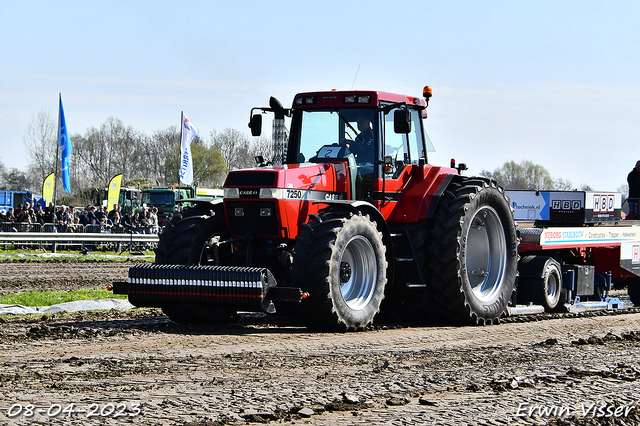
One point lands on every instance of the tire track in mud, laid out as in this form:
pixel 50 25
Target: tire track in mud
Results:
pixel 272 370
pixel 60 275
pixel 266 370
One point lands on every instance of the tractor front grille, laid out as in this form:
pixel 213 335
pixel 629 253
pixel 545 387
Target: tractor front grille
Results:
pixel 245 217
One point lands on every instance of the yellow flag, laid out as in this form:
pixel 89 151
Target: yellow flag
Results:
pixel 47 189
pixel 114 191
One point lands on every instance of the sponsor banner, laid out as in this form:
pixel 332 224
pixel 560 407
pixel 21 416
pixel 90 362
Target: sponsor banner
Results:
pixel 630 257
pixel 603 206
pixel 114 191
pixel 530 205
pixel 47 189
pixel 589 236
pixel 566 206
pixel 65 143
pixel 189 131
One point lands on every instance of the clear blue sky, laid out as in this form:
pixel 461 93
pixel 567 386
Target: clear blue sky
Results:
pixel 554 82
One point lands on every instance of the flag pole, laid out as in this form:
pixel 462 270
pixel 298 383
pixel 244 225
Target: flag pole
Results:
pixel 180 145
pixel 55 185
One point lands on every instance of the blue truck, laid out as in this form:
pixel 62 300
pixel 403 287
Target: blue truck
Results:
pixel 14 198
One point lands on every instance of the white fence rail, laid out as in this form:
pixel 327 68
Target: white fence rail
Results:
pixel 126 241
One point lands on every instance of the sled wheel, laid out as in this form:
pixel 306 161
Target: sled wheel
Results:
pixel 633 289
pixel 544 285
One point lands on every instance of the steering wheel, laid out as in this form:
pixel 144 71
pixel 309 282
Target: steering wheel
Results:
pixel 356 148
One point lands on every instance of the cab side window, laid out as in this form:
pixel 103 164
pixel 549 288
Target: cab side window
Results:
pixel 404 149
pixel 395 145
pixel 416 138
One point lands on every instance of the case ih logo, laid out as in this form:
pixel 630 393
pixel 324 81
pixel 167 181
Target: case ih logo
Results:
pixel 566 205
pixel 603 203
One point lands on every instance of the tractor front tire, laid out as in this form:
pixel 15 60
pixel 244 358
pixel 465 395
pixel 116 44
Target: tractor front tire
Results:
pixel 185 243
pixel 473 252
pixel 339 260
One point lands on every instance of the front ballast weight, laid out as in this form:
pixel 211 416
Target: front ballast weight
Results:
pixel 245 288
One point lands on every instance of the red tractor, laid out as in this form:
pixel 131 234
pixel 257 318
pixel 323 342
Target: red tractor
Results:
pixel 346 213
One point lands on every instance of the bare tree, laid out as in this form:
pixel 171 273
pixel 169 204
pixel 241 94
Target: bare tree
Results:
pixel 16 180
pixel 124 146
pixel 624 189
pixel 262 146
pixel 235 148
pixel 41 143
pixel 161 149
pixel 114 148
pixel 40 140
pixel 111 150
pixel 562 184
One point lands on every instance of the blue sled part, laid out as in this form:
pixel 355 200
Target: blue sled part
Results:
pixel 608 303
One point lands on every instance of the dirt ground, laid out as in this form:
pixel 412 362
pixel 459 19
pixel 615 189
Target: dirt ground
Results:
pixel 137 367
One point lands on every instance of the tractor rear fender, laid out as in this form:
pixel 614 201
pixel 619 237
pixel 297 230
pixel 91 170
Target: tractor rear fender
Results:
pixel 420 198
pixel 375 215
pixel 435 198
pixel 201 202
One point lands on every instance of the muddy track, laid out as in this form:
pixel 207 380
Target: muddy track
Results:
pixel 138 367
pixel 60 275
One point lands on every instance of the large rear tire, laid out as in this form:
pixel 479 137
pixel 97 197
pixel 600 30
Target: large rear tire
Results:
pixel 187 242
pixel 473 252
pixel 633 289
pixel 339 260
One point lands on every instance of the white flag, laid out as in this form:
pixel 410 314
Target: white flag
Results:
pixel 189 131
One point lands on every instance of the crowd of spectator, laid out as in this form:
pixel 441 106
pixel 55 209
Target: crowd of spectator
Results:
pixel 143 219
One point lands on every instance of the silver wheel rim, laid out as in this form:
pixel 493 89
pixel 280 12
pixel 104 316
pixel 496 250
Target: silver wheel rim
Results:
pixel 486 254
pixel 552 287
pixel 359 273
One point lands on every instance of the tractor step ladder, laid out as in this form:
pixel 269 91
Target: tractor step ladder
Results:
pixel 405 258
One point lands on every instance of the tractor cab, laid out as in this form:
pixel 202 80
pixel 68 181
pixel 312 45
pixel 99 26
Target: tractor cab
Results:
pixel 380 136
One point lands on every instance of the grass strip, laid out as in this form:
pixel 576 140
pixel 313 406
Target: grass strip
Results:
pixel 39 255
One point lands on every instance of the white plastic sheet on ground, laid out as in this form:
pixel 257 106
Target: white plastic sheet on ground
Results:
pixel 79 305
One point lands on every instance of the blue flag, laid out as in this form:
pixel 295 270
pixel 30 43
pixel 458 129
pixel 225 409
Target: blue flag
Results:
pixel 65 143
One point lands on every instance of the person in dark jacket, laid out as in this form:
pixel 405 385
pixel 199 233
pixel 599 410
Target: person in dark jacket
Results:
pixel 633 179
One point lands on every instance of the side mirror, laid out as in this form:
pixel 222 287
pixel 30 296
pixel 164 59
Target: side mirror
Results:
pixel 256 124
pixel 402 121
pixel 387 164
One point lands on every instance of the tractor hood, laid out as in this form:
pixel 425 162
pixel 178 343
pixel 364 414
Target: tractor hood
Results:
pixel 307 181
pixel 275 201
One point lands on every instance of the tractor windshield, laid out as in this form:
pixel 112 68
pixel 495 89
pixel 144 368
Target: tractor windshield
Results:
pixel 353 128
pixel 158 198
